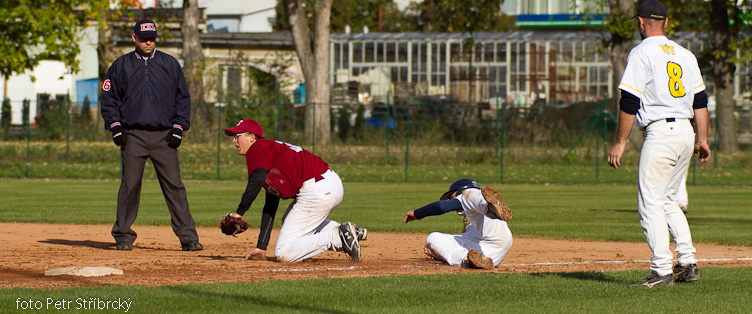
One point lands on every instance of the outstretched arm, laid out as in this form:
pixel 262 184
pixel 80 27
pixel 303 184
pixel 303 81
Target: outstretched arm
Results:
pixel 435 208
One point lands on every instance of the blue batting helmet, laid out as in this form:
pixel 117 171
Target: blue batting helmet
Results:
pixel 460 185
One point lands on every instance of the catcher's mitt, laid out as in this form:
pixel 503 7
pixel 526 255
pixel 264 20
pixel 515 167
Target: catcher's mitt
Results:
pixel 232 226
pixel 496 206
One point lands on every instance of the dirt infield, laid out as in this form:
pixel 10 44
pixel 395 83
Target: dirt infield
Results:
pixel 156 258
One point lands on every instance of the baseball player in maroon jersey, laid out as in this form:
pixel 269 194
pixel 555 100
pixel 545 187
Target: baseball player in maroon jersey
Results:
pixel 661 90
pixel 289 171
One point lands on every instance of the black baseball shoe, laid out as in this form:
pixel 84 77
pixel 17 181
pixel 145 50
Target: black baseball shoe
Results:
pixel 193 246
pixel 349 238
pixel 362 233
pixel 688 273
pixel 124 246
pixel 654 279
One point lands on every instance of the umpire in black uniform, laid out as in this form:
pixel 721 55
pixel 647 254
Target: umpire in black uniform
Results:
pixel 146 105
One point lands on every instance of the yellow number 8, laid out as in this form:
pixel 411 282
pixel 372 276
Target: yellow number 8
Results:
pixel 675 86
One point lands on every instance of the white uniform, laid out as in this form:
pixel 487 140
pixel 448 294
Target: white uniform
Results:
pixel 491 237
pixel 306 231
pixel 665 76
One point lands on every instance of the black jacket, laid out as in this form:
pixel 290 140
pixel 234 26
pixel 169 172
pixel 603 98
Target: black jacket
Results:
pixel 146 93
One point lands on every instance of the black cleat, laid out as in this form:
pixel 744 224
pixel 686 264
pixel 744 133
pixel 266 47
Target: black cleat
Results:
pixel 688 273
pixel 193 246
pixel 654 279
pixel 349 238
pixel 124 246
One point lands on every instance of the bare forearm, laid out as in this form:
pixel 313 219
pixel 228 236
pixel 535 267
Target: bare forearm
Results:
pixel 702 120
pixel 624 127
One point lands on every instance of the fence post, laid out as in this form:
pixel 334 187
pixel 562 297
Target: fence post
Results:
pixel 598 140
pixel 407 141
pixel 388 117
pixel 219 135
pixel 501 145
pixel 28 148
pixel 67 124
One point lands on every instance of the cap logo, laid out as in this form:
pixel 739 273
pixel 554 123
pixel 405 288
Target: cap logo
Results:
pixel 239 123
pixel 148 27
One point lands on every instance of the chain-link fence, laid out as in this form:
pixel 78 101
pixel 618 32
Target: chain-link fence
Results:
pixel 436 140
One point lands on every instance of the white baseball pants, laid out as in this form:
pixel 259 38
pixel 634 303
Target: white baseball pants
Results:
pixel 453 248
pixel 664 160
pixel 306 231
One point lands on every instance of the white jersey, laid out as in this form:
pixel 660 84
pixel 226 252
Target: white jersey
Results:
pixel 665 77
pixel 491 237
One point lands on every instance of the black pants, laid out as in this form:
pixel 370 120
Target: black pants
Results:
pixel 140 145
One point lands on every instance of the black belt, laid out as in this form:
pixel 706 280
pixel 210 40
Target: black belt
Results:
pixel 670 119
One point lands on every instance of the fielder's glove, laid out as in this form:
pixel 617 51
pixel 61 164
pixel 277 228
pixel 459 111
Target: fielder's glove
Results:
pixel 175 137
pixel 118 136
pixel 232 225
pixel 496 206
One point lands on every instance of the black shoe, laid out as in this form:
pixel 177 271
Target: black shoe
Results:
pixel 654 279
pixel 688 273
pixel 349 238
pixel 193 246
pixel 124 246
pixel 362 233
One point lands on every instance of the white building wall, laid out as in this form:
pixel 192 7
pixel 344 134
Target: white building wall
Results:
pixel 257 21
pixel 52 77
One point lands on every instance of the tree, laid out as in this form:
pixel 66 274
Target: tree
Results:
pixel 193 68
pixel 313 53
pixel 35 30
pixel 723 74
pixel 85 118
pixel 728 34
pixel 356 14
pixel 52 119
pixel 5 115
pixel 25 113
pixel 622 30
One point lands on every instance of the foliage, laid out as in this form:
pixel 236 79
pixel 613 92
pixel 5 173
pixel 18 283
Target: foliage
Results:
pixel 260 101
pixel 35 30
pixel 5 117
pixel 52 119
pixel 85 117
pixel 25 112
pixel 465 16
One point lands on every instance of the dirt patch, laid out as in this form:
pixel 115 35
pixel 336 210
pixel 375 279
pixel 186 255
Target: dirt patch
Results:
pixel 157 260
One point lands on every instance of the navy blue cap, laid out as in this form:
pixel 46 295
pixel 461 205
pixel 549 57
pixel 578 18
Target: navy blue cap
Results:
pixel 651 9
pixel 145 28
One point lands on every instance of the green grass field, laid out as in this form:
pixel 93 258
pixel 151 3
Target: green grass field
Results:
pixel 718 214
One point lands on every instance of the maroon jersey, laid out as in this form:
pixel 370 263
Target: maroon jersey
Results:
pixel 287 166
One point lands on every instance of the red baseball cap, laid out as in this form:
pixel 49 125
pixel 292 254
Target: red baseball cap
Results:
pixel 246 125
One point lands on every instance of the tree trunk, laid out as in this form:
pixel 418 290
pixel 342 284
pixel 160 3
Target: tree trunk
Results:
pixel 193 59
pixel 104 43
pixel 313 53
pixel 621 43
pixel 723 71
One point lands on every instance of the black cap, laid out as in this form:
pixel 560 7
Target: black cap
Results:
pixel 651 9
pixel 145 28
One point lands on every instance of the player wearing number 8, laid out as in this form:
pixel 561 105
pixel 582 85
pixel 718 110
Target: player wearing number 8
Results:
pixel 289 171
pixel 661 90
